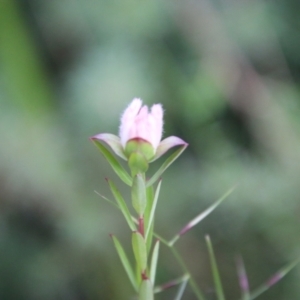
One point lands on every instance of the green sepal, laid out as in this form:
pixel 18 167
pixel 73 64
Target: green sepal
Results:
pixel 117 167
pixel 138 194
pixel 165 165
pixel 125 262
pixel 137 163
pixel 140 251
pixel 141 146
pixel 215 271
pixel 122 205
pixel 146 290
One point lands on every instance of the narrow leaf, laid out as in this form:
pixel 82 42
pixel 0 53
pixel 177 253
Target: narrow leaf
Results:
pixel 125 262
pixel 117 167
pixel 201 216
pixel 154 259
pixel 122 205
pixel 165 165
pixel 150 198
pixel 151 216
pixel 215 271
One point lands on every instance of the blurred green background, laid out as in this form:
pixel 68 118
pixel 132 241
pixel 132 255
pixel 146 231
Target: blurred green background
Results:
pixel 228 75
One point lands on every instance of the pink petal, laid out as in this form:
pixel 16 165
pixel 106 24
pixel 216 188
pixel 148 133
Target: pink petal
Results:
pixel 113 141
pixel 128 120
pixel 167 144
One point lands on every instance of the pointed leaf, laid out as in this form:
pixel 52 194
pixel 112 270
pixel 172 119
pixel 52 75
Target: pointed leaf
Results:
pixel 122 205
pixel 215 271
pixel 165 165
pixel 125 262
pixel 150 198
pixel 154 259
pixel 151 216
pixel 166 145
pixel 117 167
pixel 113 141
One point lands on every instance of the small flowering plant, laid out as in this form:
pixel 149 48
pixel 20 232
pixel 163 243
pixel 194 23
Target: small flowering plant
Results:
pixel 140 143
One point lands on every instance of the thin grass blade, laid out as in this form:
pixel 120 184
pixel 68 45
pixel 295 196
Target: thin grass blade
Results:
pixel 201 216
pixel 106 199
pixel 182 288
pixel 243 278
pixel 215 271
pixel 274 279
pixel 199 294
pixel 125 262
pixel 169 284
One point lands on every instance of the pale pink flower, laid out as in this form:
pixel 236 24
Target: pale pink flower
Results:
pixel 138 123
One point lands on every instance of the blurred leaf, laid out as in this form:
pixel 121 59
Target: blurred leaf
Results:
pixel 201 216
pixel 215 271
pixel 243 279
pixel 274 279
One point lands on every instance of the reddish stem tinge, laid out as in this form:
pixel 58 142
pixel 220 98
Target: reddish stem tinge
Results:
pixel 141 225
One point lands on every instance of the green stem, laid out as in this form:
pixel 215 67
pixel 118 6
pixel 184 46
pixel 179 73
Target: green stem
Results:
pixel 179 259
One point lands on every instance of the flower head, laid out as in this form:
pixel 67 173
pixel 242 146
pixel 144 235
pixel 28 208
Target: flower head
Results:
pixel 138 123
pixel 140 134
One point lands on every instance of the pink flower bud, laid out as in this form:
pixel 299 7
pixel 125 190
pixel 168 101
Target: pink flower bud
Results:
pixel 140 133
pixel 138 123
